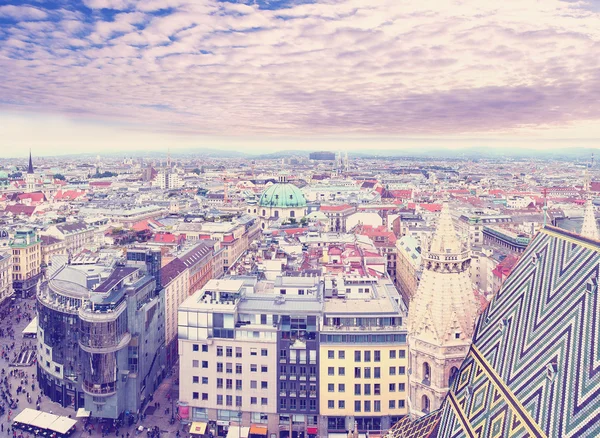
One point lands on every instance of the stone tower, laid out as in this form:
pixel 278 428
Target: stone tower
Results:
pixel 441 317
pixel 589 228
pixel 30 177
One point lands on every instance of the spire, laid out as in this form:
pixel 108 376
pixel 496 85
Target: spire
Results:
pixel 30 168
pixel 444 240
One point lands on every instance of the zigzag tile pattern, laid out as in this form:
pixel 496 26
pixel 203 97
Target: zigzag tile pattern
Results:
pixel 534 366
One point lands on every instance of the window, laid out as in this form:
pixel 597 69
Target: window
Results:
pixel 341 387
pixel 356 405
pixel 204 364
pixel 330 371
pixel 341 404
pixel 205 396
pixel 195 379
pixel 377 389
pixel 392 371
pixel 253 352
pixel 357 356
pixel 229 352
pixel 204 348
pixel 219 367
pixel 263 385
pixel 401 354
pixel 238 351
pixel 425 404
pixel 367 356
pixel 238 384
pixel 453 373
pixel 401 386
pixel 282 354
pixel 264 401
pixel 392 387
pixel 228 400
pixel 219 351
pixel 367 372
pixel 264 369
pixel 392 404
pixel 195 395
pixel 219 399
pixel 252 400
pixel 367 406
pixel 341 354
pixel 205 380
pixel 238 400
pixel 357 389
pixel 195 363
pixel 330 354
pixel 238 368
pixel 229 368
pixel 377 356
pixel 342 371
pixel 264 352
pixel 426 371
pixel 219 383
pixel 253 384
pixel 195 347
pixel 229 384
pixel 377 372
pixel 357 372
pixel 400 404
pixel 392 354
pixel 253 367
pixel 367 389
pixel 293 404
pixel 312 404
pixel 330 404
pixel 330 387
pixel 282 403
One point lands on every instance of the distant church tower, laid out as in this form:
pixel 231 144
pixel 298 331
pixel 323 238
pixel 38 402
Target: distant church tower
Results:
pixel 30 177
pixel 589 228
pixel 441 318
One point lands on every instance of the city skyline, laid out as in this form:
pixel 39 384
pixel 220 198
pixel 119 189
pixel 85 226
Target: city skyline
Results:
pixel 116 75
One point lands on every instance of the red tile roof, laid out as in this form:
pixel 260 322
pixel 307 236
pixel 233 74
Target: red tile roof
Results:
pixel 335 207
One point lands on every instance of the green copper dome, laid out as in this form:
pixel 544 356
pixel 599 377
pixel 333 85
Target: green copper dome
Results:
pixel 282 195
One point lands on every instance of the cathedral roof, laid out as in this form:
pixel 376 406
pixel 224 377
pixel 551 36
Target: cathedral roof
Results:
pixel 534 368
pixel 589 228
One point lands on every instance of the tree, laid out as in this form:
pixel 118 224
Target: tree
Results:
pixel 197 171
pixel 59 176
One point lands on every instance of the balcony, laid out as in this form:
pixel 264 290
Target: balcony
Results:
pixel 312 394
pixel 104 390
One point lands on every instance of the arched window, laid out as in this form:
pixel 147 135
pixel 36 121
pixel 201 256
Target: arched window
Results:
pixel 255 210
pixel 426 371
pixel 264 213
pixel 425 404
pixel 292 213
pixel 276 213
pixel 453 373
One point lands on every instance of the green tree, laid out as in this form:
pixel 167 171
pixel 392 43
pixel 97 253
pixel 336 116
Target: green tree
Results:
pixel 59 176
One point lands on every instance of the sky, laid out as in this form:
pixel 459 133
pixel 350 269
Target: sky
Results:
pixel 265 75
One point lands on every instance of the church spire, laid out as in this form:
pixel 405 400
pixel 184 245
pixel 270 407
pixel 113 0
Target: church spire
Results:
pixel 30 168
pixel 444 240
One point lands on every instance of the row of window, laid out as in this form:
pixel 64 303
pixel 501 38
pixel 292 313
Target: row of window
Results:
pixel 229 399
pixel 297 404
pixel 229 350
pixel 365 406
pixel 366 372
pixel 365 389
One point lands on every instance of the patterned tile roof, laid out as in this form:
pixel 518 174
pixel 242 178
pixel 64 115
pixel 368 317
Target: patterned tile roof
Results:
pixel 423 427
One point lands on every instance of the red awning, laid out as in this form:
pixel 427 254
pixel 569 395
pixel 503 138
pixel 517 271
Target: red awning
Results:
pixel 255 429
pixel 311 430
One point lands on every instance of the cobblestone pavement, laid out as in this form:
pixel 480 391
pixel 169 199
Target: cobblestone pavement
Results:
pixel 158 418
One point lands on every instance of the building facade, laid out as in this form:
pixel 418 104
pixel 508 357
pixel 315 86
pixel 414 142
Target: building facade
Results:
pixel 100 343
pixel 27 261
pixel 76 235
pixel 6 281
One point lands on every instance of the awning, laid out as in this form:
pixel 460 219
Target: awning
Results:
pixel 62 425
pixel 32 327
pixel 256 429
pixel 27 415
pixel 198 428
pixel 311 430
pixel 44 420
pixel 82 413
pixel 237 432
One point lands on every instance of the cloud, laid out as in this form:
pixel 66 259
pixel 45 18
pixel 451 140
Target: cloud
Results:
pixel 22 13
pixel 332 67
